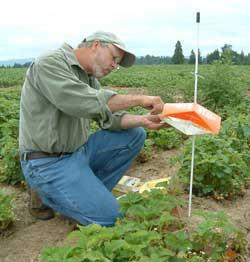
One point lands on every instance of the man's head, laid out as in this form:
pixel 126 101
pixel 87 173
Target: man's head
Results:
pixel 105 37
pixel 105 53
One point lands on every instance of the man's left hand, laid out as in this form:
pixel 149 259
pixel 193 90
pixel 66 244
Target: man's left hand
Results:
pixel 153 103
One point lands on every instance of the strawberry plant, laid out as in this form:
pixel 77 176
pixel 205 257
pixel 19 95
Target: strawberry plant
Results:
pixel 219 170
pixel 147 151
pixel 221 162
pixel 10 171
pixel 213 233
pixel 220 87
pixel 237 127
pixel 151 231
pixel 11 76
pixel 166 138
pixel 6 210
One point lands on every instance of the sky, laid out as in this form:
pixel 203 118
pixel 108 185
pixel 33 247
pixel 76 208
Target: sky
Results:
pixel 28 27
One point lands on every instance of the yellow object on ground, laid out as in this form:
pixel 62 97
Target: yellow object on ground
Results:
pixel 152 184
pixel 134 184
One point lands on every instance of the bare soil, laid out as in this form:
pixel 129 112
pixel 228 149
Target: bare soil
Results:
pixel 26 238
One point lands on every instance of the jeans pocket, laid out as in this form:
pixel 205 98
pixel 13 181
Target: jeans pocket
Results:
pixel 29 174
pixel 43 162
pixel 44 170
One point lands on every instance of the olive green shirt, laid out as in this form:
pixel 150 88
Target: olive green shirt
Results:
pixel 57 102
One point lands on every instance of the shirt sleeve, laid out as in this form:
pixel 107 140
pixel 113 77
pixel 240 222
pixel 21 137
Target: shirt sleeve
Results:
pixel 56 81
pixel 116 121
pixel 116 126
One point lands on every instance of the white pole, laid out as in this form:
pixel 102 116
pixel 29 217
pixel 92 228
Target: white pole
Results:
pixel 195 101
pixel 196 57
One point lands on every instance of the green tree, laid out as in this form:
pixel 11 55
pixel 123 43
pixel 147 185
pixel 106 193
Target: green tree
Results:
pixel 178 57
pixel 247 59
pixel 153 60
pixel 199 57
pixel 242 58
pixel 228 55
pixel 191 57
pixel 215 55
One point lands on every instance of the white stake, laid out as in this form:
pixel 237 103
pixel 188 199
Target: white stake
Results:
pixel 195 101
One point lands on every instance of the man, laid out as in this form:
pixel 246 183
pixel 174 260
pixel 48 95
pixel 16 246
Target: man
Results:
pixel 74 172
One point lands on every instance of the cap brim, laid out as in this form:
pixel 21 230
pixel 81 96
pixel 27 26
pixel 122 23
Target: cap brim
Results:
pixel 128 58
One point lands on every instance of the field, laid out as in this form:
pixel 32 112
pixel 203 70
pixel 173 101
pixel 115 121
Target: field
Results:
pixel 156 226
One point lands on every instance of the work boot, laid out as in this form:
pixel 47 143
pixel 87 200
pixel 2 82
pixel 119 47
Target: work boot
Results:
pixel 36 207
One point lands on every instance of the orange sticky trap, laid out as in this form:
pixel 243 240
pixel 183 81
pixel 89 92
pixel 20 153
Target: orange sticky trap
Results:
pixel 191 118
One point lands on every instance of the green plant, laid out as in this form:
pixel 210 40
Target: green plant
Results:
pixel 10 171
pixel 220 87
pixel 237 127
pixel 147 151
pixel 216 234
pixel 10 77
pixel 151 231
pixel 166 138
pixel 221 162
pixel 219 169
pixel 6 210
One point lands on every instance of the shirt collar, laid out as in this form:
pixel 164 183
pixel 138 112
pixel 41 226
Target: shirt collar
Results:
pixel 70 55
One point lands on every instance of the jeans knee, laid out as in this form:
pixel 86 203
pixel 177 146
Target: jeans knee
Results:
pixel 107 220
pixel 140 136
pixel 143 133
pixel 110 221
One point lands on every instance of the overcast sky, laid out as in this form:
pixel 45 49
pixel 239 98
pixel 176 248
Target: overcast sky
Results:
pixel 29 28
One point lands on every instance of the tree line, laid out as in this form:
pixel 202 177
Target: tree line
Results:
pixel 16 65
pixel 178 58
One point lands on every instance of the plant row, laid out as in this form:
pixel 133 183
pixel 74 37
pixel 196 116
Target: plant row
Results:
pixel 152 229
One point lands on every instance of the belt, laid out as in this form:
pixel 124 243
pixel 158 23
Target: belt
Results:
pixel 40 154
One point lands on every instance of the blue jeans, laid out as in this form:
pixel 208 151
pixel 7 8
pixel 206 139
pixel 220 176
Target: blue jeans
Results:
pixel 79 185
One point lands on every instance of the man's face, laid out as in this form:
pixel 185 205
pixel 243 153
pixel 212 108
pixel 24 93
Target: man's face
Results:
pixel 106 59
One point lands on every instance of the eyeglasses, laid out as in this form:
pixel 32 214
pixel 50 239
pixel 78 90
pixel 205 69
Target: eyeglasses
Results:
pixel 116 59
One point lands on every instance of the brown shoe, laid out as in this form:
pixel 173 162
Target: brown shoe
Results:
pixel 36 207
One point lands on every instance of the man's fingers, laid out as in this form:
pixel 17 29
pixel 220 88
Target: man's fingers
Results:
pixel 151 124
pixel 156 110
pixel 157 126
pixel 154 118
pixel 153 103
pixel 165 125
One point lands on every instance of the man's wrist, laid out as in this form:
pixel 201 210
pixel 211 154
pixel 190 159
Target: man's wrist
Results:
pixel 130 121
pixel 138 100
pixel 122 102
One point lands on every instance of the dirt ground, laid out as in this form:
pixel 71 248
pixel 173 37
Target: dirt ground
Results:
pixel 24 241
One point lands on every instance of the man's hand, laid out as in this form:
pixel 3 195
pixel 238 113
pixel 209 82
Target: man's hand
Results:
pixel 153 103
pixel 147 121
pixel 152 122
pixel 123 102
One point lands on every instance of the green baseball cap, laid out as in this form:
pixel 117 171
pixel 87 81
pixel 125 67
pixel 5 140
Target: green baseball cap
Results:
pixel 128 58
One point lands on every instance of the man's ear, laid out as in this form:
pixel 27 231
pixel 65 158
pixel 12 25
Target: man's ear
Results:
pixel 95 44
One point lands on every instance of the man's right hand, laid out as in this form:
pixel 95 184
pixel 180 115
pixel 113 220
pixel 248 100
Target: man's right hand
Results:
pixel 146 121
pixel 152 122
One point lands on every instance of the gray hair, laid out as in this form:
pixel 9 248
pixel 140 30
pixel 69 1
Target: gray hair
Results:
pixel 85 43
